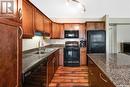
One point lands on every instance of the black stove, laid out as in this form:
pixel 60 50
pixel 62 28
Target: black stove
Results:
pixel 72 53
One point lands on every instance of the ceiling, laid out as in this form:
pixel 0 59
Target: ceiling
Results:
pixel 58 9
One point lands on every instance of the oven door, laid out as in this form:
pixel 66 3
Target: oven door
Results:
pixel 72 56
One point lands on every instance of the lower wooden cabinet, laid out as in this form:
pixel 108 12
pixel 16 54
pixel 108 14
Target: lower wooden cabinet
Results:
pixel 83 56
pixel 61 57
pixel 52 65
pixel 96 77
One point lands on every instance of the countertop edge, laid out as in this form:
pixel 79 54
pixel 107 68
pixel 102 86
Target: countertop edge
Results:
pixel 102 70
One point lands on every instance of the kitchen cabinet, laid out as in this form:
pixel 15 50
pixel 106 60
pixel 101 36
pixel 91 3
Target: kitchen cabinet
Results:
pixel 12 12
pixel 57 31
pixel 96 77
pixel 71 26
pixel 27 20
pixel 47 25
pixel 83 56
pixel 38 21
pixel 95 26
pixel 52 65
pixel 10 53
pixel 56 60
pixel 61 57
pixel 78 26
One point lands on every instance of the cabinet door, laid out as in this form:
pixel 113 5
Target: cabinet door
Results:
pixel 49 70
pixel 61 58
pixel 70 26
pixel 57 31
pixel 47 25
pixel 90 26
pixel 82 31
pixel 54 64
pixel 27 20
pixel 10 58
pixel 57 59
pixel 10 12
pixel 83 58
pixel 100 26
pixel 38 21
pixel 95 25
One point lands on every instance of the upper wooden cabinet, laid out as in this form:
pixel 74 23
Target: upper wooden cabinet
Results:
pixel 11 9
pixel 47 25
pixel 38 21
pixel 95 25
pixel 79 26
pixel 27 20
pixel 71 26
pixel 57 31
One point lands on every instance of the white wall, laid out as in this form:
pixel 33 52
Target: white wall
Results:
pixel 33 43
pixel 117 34
pixel 112 39
pixel 123 35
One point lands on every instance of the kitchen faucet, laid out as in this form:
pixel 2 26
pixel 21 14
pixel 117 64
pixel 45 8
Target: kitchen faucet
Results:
pixel 41 47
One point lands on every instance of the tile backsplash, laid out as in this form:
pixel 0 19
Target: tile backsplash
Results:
pixel 61 41
pixel 33 43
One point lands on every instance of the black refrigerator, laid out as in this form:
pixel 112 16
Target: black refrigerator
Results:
pixel 96 41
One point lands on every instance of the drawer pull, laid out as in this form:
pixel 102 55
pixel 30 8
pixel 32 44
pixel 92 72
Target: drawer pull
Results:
pixel 103 78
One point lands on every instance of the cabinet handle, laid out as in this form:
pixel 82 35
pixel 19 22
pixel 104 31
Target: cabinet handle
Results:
pixel 20 14
pixel 103 78
pixel 21 32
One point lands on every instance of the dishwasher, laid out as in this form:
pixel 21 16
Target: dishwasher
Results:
pixel 36 76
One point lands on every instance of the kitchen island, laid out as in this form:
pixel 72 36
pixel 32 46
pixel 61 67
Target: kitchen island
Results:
pixel 116 67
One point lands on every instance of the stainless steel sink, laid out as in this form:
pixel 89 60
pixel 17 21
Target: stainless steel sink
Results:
pixel 45 51
pixel 49 49
pixel 40 52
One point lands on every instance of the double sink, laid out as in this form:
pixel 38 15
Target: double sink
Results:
pixel 44 51
pixel 32 58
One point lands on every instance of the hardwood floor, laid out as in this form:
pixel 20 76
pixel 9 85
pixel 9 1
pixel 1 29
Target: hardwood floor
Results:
pixel 70 77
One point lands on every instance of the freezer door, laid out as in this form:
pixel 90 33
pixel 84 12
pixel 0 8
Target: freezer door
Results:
pixel 96 41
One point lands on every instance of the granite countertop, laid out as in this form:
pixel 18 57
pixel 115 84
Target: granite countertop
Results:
pixel 30 58
pixel 115 66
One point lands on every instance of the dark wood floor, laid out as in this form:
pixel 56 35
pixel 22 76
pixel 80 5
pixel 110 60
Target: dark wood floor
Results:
pixel 70 77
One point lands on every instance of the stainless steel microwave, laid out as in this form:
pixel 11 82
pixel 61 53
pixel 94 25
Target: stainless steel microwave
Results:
pixel 71 34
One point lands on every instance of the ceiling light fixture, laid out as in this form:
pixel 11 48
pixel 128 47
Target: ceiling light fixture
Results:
pixel 79 4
